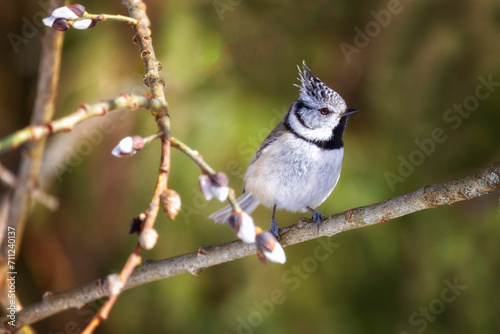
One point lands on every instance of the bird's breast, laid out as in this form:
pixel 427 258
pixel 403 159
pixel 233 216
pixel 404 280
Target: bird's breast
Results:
pixel 293 174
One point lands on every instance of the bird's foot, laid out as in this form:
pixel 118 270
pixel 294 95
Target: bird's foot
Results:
pixel 317 216
pixel 274 229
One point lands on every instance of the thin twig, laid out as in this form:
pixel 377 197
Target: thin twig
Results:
pixel 10 180
pixel 104 17
pixel 43 111
pixel 205 168
pixel 149 139
pixel 137 11
pixel 84 111
pixel 448 193
pixel 193 155
pixel 133 260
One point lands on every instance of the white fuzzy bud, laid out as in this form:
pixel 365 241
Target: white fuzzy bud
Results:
pixel 70 12
pixel 56 23
pixel 214 186
pixel 83 24
pixel 220 193
pixel 243 225
pixel 113 284
pixel 270 247
pixel 49 21
pixel 148 238
pixel 206 187
pixel 276 255
pixel 171 203
pixel 128 146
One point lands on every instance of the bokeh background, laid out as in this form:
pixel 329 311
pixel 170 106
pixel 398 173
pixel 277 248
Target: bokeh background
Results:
pixel 230 66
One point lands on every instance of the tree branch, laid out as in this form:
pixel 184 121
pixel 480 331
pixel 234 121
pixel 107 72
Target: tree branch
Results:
pixel 8 179
pixel 19 198
pixel 67 123
pixel 159 109
pixel 43 112
pixel 205 168
pixel 447 193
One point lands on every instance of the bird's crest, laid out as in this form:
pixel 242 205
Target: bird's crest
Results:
pixel 312 88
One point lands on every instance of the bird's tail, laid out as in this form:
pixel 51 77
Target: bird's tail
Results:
pixel 247 203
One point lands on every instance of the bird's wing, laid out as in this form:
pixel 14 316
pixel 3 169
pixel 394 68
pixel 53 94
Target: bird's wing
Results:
pixel 273 136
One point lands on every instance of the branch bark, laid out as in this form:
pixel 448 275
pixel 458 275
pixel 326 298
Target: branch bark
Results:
pixel 447 193
pixel 43 112
pixel 159 109
pixel 18 200
pixel 84 111
pixel 8 179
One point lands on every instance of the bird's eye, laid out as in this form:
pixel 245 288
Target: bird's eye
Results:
pixel 324 111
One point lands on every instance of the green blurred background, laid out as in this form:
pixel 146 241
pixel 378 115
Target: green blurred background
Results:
pixel 230 67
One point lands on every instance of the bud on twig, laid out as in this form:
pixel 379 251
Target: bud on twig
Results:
pixel 214 186
pixel 270 247
pixel 112 285
pixel 70 12
pixel 64 17
pixel 242 224
pixel 128 146
pixel 206 186
pixel 83 24
pixel 55 23
pixel 148 238
pixel 171 203
pixel 219 186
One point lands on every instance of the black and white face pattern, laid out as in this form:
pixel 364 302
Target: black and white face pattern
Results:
pixel 318 114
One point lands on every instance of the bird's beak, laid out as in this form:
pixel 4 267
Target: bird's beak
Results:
pixel 349 111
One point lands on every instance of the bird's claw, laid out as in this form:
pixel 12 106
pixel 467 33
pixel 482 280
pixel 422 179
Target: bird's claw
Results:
pixel 317 217
pixel 274 229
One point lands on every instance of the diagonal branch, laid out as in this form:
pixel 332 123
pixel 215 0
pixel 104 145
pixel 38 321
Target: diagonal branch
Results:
pixel 84 111
pixel 205 168
pixel 18 200
pixel 447 193
pixel 159 109
pixel 43 111
pixel 8 179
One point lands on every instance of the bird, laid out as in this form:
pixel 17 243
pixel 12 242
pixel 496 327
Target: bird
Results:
pixel 299 163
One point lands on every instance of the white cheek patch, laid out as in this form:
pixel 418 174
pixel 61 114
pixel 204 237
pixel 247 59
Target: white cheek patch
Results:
pixel 321 134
